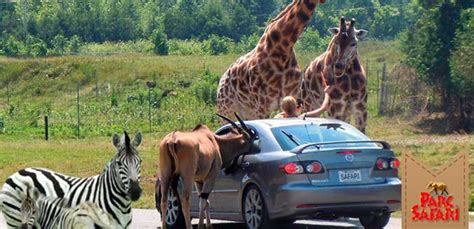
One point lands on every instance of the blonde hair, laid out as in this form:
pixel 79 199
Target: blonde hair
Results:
pixel 288 105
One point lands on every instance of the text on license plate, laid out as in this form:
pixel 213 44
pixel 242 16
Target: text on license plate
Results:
pixel 349 175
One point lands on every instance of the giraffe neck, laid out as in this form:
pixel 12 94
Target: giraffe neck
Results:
pixel 283 32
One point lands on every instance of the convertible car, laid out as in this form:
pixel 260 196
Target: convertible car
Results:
pixel 302 169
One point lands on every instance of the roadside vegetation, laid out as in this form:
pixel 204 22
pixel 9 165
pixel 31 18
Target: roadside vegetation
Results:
pixel 114 97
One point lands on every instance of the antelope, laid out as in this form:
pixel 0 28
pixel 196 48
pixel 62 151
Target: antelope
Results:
pixel 438 186
pixel 198 156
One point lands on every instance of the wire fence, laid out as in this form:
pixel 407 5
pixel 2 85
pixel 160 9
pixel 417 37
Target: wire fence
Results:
pixel 98 107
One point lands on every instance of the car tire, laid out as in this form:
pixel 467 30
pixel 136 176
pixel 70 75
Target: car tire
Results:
pixel 175 217
pixel 375 221
pixel 254 211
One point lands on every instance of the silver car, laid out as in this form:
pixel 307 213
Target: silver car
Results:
pixel 302 169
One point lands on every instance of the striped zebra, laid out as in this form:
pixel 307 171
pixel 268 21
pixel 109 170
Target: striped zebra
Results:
pixel 112 190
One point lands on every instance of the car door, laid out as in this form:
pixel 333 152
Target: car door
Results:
pixel 225 198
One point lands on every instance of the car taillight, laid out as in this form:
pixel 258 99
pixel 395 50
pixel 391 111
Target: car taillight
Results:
pixel 314 167
pixel 345 152
pixel 387 163
pixel 292 168
pixel 395 163
pixel 382 164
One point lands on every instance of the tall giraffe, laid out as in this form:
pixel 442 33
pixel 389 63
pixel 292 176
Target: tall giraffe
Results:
pixel 255 83
pixel 339 67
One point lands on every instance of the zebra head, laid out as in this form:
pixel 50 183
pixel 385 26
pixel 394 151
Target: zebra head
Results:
pixel 29 209
pixel 128 164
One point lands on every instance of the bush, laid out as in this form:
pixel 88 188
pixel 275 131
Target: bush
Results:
pixel 58 45
pixel 160 42
pixel 247 43
pixel 311 41
pixel 205 88
pixel 138 46
pixel 2 125
pixel 36 47
pixel 216 45
pixel 185 47
pixel 14 47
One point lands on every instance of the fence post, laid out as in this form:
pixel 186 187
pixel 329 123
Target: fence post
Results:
pixel 378 90
pixel 367 69
pixel 150 86
pixel 78 113
pixel 46 134
pixel 96 86
pixel 383 93
pixel 8 92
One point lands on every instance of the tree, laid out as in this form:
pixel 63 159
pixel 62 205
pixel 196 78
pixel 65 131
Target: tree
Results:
pixel 160 41
pixel 430 47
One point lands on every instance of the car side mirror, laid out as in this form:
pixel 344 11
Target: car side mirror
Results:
pixel 255 146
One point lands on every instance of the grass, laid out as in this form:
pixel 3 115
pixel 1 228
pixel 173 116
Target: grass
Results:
pixel 47 86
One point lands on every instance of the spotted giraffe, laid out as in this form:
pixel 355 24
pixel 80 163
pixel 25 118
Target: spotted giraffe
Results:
pixel 257 81
pixel 339 67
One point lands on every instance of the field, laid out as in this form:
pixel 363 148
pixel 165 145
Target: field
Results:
pixel 113 97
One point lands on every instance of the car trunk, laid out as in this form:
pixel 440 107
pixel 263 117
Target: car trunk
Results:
pixel 346 166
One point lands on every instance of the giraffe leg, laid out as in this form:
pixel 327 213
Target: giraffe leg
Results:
pixel 359 109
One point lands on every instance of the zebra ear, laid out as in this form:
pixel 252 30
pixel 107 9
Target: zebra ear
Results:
pixel 116 140
pixel 137 140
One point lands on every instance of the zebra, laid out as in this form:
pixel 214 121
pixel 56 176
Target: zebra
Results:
pixel 113 190
pixel 55 213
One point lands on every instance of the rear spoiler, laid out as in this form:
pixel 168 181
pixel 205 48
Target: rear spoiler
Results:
pixel 299 149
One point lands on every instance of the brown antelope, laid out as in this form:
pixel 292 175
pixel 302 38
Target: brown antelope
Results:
pixel 438 186
pixel 197 157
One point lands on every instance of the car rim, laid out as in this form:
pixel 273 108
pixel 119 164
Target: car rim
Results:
pixel 172 209
pixel 253 209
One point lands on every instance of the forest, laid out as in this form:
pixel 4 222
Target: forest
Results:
pixel 40 28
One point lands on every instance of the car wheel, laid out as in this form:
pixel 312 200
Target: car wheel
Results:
pixel 174 215
pixel 254 211
pixel 375 221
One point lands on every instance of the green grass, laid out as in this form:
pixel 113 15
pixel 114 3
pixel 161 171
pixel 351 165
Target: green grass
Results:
pixel 47 86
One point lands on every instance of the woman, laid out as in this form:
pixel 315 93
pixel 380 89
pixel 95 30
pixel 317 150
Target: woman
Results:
pixel 291 107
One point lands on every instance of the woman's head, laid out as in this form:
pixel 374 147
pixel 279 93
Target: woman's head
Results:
pixel 288 105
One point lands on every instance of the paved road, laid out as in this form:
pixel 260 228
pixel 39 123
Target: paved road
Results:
pixel 150 219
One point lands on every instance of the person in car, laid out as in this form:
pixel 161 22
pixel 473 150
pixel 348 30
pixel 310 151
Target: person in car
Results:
pixel 291 108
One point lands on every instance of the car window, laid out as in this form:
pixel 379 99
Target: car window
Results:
pixel 256 148
pixel 291 136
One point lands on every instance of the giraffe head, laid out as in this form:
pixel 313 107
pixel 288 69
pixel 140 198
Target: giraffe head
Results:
pixel 343 45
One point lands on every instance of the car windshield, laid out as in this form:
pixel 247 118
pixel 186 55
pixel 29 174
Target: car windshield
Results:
pixel 291 136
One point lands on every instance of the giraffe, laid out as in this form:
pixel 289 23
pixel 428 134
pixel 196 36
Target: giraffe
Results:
pixel 340 68
pixel 255 83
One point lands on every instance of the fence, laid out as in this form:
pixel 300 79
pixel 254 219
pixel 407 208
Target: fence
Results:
pixel 92 106
pixel 78 109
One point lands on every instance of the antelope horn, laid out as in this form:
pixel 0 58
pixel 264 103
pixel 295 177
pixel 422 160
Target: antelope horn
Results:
pixel 245 127
pixel 230 121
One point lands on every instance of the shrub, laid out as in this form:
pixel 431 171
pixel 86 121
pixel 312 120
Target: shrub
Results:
pixel 216 45
pixel 2 125
pixel 205 88
pixel 160 42
pixel 311 41
pixel 247 43
pixel 138 46
pixel 185 47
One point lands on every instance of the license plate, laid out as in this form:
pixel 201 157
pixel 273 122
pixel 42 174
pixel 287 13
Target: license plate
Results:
pixel 349 175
